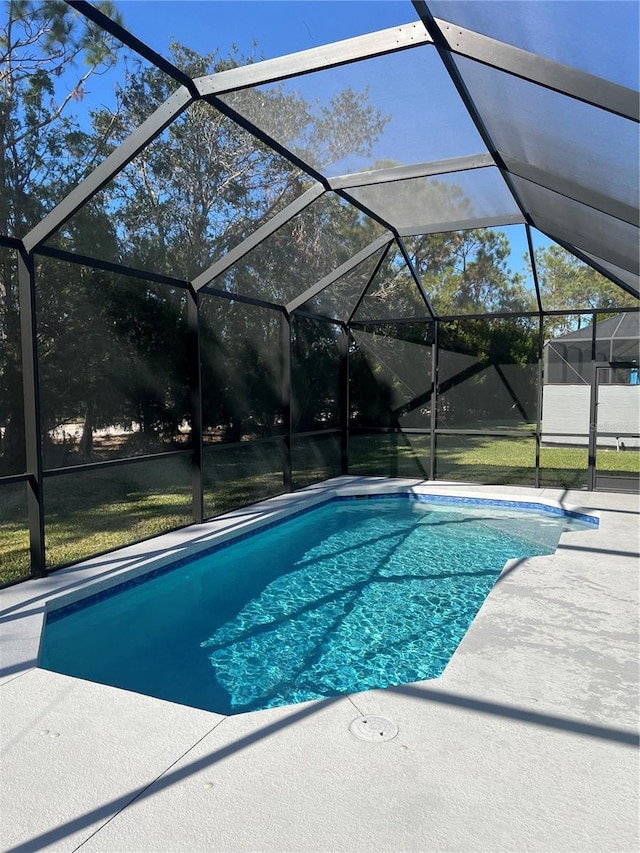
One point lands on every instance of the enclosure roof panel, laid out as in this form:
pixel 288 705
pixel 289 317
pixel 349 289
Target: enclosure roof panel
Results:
pixel 579 225
pixel 426 122
pixel 448 202
pixel 631 280
pixel 225 25
pixel 561 30
pixel 429 117
pixel 620 326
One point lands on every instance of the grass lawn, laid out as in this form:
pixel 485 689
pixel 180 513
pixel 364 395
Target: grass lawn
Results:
pixel 94 511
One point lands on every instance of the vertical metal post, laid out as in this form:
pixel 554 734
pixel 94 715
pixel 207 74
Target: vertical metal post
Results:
pixel 539 402
pixel 286 399
pixel 540 388
pixel 343 347
pixel 195 403
pixel 593 411
pixel 32 429
pixel 434 399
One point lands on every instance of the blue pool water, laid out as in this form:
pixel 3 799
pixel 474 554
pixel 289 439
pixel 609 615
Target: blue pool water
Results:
pixel 352 595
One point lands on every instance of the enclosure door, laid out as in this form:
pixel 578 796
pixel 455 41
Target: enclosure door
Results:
pixel 614 432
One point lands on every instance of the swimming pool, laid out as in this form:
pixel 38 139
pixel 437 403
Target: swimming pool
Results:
pixel 347 596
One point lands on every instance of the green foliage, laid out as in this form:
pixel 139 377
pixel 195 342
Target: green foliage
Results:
pixel 49 54
pixel 466 272
pixel 567 284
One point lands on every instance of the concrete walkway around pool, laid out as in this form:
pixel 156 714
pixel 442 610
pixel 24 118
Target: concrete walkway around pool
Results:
pixel 526 743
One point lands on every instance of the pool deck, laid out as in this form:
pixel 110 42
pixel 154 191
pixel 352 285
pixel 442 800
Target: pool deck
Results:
pixel 525 743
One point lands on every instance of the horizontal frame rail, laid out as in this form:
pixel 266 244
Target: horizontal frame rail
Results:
pixel 114 463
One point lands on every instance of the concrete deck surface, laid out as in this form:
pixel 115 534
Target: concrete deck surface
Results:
pixel 526 742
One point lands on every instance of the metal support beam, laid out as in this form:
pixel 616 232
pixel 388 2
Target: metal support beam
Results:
pixel 534 268
pixel 343 52
pixel 363 293
pixel 415 277
pixel 539 400
pixel 232 257
pixel 109 168
pixel 586 259
pixel 343 395
pixel 32 428
pixel 462 225
pixel 558 184
pixel 286 401
pixel 593 412
pixel 194 378
pixel 538 69
pixel 408 173
pixel 435 359
pixel 239 297
pixel 108 266
pixel 119 32
pixel 346 267
pixel 10 242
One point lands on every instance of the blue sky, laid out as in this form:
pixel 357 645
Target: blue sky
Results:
pixel 565 30
pixel 279 27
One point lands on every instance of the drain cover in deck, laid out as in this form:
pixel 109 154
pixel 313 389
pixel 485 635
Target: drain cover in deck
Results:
pixel 373 728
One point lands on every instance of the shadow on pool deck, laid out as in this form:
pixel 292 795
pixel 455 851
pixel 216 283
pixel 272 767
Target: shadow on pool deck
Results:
pixel 427 694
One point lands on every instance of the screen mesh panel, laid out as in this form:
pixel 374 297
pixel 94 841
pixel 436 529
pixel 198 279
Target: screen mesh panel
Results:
pixel 562 31
pixel 567 283
pixel 236 475
pixel 113 369
pixel 626 276
pixel 488 459
pixel 241 370
pixel 315 458
pixel 442 203
pixel 342 120
pixel 568 360
pixel 390 379
pixel 559 135
pixel 90 511
pixel 618 340
pixel 480 271
pixel 487 374
pixel 311 245
pixel 340 298
pixel 393 293
pixel 568 374
pixel 196 191
pixel 315 375
pixel 389 454
pixel 15 561
pixel 12 449
pixel 611 239
pixel 564 465
pixel 63 80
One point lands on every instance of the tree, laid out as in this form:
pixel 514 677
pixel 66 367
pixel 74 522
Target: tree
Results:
pixel 466 272
pixel 568 284
pixel 48 54
pixel 204 186
pixel 463 273
pixel 206 183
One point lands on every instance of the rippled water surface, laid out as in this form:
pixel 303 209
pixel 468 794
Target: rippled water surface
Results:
pixel 353 595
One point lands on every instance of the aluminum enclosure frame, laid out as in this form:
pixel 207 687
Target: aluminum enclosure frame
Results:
pixel 449 40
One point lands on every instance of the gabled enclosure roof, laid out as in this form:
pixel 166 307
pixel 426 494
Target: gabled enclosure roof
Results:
pixel 528 110
pixel 622 326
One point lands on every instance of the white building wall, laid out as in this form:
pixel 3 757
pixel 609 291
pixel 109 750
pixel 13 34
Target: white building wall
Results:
pixel 565 414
